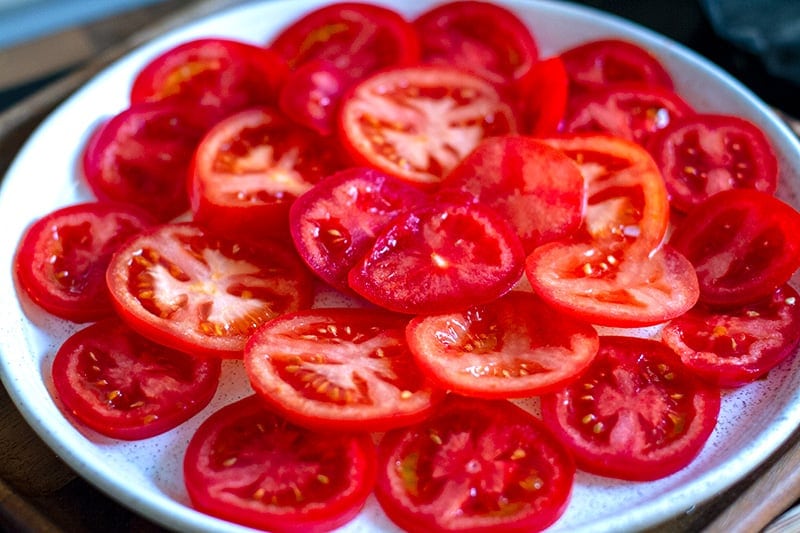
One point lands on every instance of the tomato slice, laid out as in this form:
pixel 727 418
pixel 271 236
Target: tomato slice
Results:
pixel 544 96
pixel 248 465
pixel 417 123
pixel 61 258
pixel 537 188
pixel 337 368
pixel 735 346
pixel 474 466
pixel 335 224
pixel 637 413
pixel 744 244
pixel 184 287
pixel 358 38
pixel 125 386
pixel 702 154
pixel 513 347
pixel 623 288
pixel 440 258
pixel 480 37
pixel 142 155
pixel 312 94
pixel 249 169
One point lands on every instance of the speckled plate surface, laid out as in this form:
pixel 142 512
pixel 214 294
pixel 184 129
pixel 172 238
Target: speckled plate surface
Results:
pixel 146 475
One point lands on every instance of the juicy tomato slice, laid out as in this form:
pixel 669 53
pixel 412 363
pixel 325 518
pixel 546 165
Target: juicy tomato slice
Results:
pixel 440 258
pixel 474 466
pixel 312 94
pixel 623 288
pixel 187 288
pixel 216 76
pixel 248 465
pixel 337 368
pixel 637 413
pixel 61 259
pixel 539 189
pixel 358 38
pixel 700 155
pixel 417 123
pixel 249 169
pixel 735 346
pixel 125 386
pixel 513 347
pixel 626 197
pixel 630 111
pixel 335 224
pixel 480 37
pixel 142 155
pixel 595 64
pixel 544 96
pixel 744 244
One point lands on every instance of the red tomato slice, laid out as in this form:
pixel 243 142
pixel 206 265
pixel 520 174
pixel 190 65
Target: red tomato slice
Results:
pixel 700 155
pixel 417 123
pixel 623 288
pixel 544 97
pixel 312 94
pixel 440 258
pixel 536 187
pixel 744 244
pixel 345 369
pixel 141 156
pixel 630 111
pixel 335 224
pixel 733 347
pixel 594 65
pixel 248 465
pixel 480 37
pixel 127 387
pixel 636 414
pixel 474 466
pixel 184 287
pixel 216 76
pixel 358 38
pixel 61 259
pixel 249 169
pixel 513 347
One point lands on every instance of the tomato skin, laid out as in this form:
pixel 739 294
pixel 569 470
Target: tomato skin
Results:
pixel 476 466
pixel 312 94
pixel 744 244
pixel 126 387
pixel 243 456
pixel 544 95
pixel 513 347
pixel 734 347
pixel 645 416
pixel 61 258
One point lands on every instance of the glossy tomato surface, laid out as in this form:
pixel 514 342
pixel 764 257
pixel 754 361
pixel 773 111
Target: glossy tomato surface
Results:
pixel 543 97
pixel 637 413
pixel 248 465
pixel 312 94
pixel 125 386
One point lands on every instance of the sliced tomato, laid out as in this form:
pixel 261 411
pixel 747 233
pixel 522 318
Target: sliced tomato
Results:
pixel 474 466
pixel 513 347
pixel 142 155
pixel 248 465
pixel 249 169
pixel 735 346
pixel 700 155
pixel 61 258
pixel 637 413
pixel 623 288
pixel 125 386
pixel 187 288
pixel 544 95
pixel 335 224
pixel 440 258
pixel 312 94
pixel 356 37
pixel 539 189
pixel 417 123
pixel 744 244
pixel 337 368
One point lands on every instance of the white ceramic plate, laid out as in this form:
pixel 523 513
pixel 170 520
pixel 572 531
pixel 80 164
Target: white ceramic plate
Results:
pixel 146 475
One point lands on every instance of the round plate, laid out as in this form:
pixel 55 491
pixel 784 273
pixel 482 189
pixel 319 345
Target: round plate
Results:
pixel 146 475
